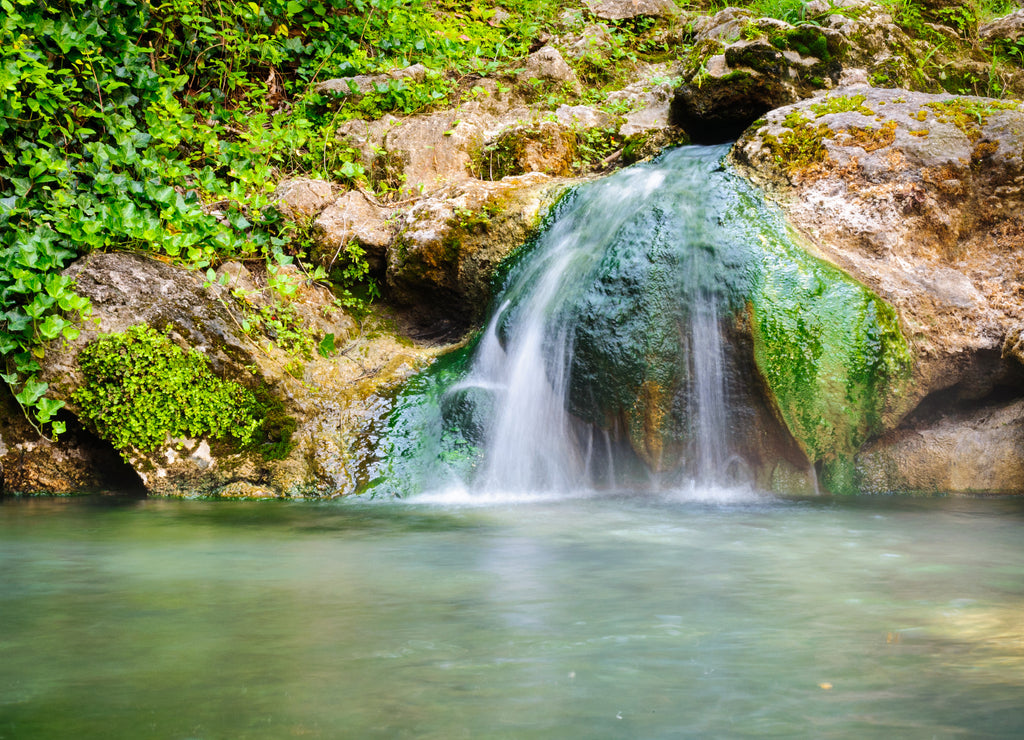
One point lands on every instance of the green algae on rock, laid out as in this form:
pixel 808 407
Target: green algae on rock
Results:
pixel 813 363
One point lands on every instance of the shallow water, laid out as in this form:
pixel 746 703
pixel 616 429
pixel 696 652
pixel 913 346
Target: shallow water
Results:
pixel 700 614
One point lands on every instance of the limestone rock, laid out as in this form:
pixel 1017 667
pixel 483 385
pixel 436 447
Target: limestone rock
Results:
pixel 617 10
pixel 546 64
pixel 727 23
pixel 365 84
pixel 301 197
pixel 448 245
pixel 1009 27
pixel 649 100
pixel 582 116
pixel 1013 345
pixel 418 155
pixel 547 147
pixel 974 451
pixel 731 80
pixel 353 217
pixel 742 66
pixel 315 391
pixel 921 198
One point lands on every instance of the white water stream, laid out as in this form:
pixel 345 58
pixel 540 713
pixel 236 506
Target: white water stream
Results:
pixel 524 360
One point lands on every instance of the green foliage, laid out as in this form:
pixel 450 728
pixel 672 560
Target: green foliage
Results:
pixel 280 322
pixel 140 388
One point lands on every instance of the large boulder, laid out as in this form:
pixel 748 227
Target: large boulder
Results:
pixel 921 198
pixel 301 198
pixel 309 370
pixel 448 245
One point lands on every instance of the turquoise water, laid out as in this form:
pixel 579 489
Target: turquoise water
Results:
pixel 613 617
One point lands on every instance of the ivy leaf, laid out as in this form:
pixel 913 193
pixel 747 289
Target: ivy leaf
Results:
pixel 31 392
pixel 326 347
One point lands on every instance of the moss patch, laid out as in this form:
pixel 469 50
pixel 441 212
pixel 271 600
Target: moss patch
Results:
pixel 140 388
pixel 869 138
pixel 831 352
pixel 807 41
pixel 969 114
pixel 841 104
pixel 799 147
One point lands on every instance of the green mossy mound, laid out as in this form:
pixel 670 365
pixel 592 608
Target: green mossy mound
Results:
pixel 808 349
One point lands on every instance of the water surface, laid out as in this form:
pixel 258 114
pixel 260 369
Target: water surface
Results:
pixel 653 616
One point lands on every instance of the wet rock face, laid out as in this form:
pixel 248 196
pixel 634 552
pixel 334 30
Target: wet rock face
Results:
pixel 921 198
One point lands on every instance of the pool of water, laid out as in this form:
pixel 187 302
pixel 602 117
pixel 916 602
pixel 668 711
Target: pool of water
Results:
pixel 607 617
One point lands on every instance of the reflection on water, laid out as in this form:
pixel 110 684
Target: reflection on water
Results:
pixel 611 617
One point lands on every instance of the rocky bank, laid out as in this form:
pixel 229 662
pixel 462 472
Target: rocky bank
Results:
pixel 842 119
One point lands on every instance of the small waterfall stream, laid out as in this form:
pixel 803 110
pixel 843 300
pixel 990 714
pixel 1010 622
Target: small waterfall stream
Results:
pixel 525 360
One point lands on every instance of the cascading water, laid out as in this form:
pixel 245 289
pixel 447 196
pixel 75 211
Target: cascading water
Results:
pixel 663 331
pixel 526 357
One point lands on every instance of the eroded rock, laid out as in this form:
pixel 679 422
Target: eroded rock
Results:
pixel 547 65
pixel 1009 28
pixel 354 217
pixel 921 198
pixel 315 400
pixel 975 451
pixel 302 198
pixel 448 245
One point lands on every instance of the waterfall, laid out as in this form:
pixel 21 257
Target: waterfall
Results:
pixel 665 331
pixel 525 361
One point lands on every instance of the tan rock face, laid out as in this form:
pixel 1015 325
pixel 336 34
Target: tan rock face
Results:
pixel 968 452
pixel 326 397
pixel 353 217
pixel 448 245
pixel 920 197
pixel 301 198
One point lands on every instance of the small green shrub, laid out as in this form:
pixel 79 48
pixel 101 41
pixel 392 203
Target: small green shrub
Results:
pixel 140 387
